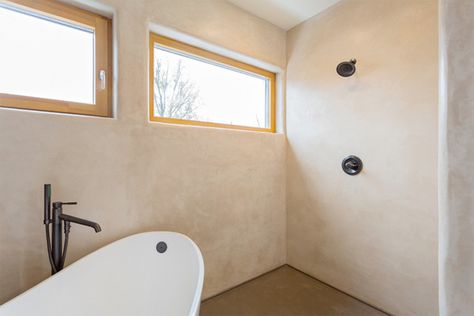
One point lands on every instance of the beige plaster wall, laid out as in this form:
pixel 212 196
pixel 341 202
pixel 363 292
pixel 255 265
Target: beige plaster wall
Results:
pixel 456 232
pixel 225 189
pixel 373 235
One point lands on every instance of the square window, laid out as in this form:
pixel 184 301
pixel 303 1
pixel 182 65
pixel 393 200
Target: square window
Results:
pixel 54 57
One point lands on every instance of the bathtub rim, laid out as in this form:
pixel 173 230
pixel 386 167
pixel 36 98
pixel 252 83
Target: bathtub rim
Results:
pixel 195 306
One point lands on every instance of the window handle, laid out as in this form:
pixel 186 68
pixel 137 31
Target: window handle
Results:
pixel 102 79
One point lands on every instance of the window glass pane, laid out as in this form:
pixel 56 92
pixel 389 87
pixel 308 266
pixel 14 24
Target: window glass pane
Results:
pixel 45 59
pixel 193 89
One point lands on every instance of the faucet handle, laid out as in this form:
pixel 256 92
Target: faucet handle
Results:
pixel 60 204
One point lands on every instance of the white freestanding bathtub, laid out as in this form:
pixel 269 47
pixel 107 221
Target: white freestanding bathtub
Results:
pixel 126 278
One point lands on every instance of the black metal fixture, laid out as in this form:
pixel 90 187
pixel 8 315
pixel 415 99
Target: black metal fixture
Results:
pixel 352 165
pixel 57 252
pixel 161 247
pixel 346 68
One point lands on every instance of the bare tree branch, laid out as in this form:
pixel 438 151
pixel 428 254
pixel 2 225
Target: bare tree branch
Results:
pixel 175 95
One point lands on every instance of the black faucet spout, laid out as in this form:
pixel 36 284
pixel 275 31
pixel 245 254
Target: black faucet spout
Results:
pixel 80 221
pixel 56 250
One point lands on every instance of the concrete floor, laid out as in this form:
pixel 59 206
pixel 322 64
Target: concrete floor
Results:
pixel 285 292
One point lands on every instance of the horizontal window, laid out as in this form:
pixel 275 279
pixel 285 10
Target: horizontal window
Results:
pixel 192 86
pixel 54 57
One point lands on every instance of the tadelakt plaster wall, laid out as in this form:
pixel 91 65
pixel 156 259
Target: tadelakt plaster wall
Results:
pixel 223 188
pixel 456 215
pixel 374 235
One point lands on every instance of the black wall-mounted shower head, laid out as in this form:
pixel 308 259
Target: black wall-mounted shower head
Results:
pixel 346 68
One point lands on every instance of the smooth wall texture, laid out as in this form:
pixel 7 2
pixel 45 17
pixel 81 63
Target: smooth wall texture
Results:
pixel 373 235
pixel 456 232
pixel 225 189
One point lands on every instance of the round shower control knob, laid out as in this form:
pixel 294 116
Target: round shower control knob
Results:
pixel 352 165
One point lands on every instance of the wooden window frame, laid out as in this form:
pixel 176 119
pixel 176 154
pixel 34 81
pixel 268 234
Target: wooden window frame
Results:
pixel 103 59
pixel 213 58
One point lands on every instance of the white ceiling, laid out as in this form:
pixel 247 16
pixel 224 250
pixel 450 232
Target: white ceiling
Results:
pixel 284 13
